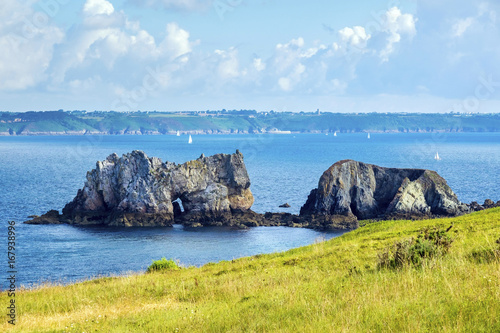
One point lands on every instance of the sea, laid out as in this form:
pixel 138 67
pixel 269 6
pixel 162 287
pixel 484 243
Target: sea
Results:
pixel 39 173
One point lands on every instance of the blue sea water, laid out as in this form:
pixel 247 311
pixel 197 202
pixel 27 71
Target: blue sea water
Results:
pixel 43 173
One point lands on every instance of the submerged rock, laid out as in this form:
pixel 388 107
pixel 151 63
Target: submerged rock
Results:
pixel 136 190
pixel 351 190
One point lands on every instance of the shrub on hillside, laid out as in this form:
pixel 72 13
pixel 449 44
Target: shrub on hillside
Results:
pixel 486 255
pixel 428 244
pixel 163 265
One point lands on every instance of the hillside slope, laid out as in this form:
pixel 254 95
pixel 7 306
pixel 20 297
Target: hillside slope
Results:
pixel 244 121
pixel 330 286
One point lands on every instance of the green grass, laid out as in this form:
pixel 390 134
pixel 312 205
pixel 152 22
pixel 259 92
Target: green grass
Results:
pixel 331 286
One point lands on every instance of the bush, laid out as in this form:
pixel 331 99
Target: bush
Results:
pixel 428 244
pixel 163 265
pixel 484 256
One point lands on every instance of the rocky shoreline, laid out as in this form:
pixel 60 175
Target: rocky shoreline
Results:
pixel 238 219
pixel 136 190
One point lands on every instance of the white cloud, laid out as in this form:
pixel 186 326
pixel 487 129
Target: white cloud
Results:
pixel 228 67
pixel 299 69
pixel 484 14
pixel 184 5
pixel 176 43
pixel 288 55
pixel 338 86
pixel 108 46
pixel 98 7
pixel 107 54
pixel 287 83
pixel 87 46
pixel 27 42
pixel 289 63
pixel 354 37
pixel 317 68
pixel 258 64
pixel 88 84
pixel 461 26
pixel 294 43
pixel 106 39
pixel 395 24
pixel 312 51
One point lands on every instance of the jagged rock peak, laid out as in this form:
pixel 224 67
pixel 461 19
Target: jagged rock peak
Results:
pixel 135 189
pixel 357 190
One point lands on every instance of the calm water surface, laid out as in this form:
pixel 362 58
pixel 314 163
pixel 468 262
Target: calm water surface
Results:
pixel 42 173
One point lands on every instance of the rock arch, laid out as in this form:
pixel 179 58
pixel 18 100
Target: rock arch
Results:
pixel 138 190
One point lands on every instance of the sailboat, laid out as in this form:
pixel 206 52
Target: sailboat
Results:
pixel 190 139
pixel 334 133
pixel 178 133
pixel 436 157
pixel 368 135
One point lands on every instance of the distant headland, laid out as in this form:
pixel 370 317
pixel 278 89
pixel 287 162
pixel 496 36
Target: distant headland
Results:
pixel 238 122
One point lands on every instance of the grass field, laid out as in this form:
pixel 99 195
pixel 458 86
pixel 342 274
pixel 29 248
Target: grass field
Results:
pixel 332 286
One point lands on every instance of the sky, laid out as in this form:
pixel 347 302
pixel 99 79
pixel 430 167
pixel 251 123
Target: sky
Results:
pixel 172 55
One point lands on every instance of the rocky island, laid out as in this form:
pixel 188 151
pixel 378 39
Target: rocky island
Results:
pixel 137 190
pixel 352 190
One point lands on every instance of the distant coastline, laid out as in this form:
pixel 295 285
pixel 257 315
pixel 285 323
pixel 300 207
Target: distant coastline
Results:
pixel 238 122
pixel 209 132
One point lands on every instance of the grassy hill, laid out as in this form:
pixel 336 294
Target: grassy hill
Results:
pixel 244 121
pixel 332 286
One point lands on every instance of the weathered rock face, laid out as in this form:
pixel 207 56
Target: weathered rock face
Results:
pixel 135 190
pixel 353 190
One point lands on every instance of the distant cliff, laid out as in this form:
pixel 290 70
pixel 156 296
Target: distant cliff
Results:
pixel 136 190
pixel 351 190
pixel 228 122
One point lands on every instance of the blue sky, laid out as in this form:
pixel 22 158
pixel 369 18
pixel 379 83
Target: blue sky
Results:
pixel 339 56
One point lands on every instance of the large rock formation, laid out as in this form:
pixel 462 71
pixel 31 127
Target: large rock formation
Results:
pixel 351 190
pixel 136 190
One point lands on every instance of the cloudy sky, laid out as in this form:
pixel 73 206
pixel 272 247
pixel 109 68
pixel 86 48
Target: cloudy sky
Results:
pixel 340 56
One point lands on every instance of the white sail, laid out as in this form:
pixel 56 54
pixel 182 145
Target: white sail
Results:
pixel 436 157
pixel 368 135
pixel 334 133
pixel 178 133
pixel 190 139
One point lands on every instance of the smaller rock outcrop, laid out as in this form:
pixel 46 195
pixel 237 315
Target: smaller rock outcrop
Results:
pixel 285 205
pixel 488 203
pixel 351 190
pixel 51 217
